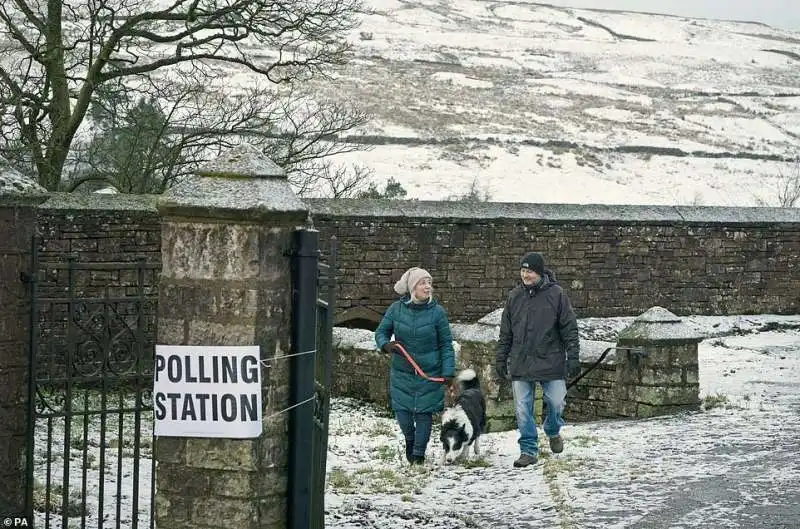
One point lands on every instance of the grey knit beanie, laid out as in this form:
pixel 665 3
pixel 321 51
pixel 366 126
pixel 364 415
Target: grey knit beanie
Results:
pixel 409 280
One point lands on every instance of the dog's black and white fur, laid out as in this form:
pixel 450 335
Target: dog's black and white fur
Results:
pixel 464 423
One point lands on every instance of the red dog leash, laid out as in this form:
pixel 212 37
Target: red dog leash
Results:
pixel 416 367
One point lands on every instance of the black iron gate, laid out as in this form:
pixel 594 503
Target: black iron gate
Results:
pixel 89 461
pixel 313 301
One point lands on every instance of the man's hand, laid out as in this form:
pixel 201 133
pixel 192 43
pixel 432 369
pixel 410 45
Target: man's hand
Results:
pixel 501 370
pixel 574 368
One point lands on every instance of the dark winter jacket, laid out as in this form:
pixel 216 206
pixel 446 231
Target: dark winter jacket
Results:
pixel 538 332
pixel 424 331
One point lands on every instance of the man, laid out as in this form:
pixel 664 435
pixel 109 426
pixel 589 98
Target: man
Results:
pixel 538 343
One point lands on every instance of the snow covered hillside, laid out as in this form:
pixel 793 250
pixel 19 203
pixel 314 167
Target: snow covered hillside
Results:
pixel 536 103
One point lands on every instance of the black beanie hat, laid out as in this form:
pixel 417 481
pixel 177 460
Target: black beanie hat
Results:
pixel 533 261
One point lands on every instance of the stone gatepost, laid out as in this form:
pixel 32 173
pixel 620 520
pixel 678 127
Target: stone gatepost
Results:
pixel 226 280
pixel 19 197
pixel 657 366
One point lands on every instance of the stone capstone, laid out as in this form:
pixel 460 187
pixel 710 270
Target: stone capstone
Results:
pixel 658 325
pixel 243 185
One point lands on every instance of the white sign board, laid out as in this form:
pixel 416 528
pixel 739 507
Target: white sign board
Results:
pixel 207 391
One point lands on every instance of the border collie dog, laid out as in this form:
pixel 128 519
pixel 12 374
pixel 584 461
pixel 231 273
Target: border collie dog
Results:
pixel 464 423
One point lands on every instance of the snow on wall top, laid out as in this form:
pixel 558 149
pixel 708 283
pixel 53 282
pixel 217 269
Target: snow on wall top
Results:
pixel 12 182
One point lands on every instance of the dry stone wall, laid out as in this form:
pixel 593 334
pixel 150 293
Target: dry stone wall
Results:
pixel 612 260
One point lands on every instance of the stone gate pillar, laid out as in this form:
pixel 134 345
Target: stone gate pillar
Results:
pixel 657 366
pixel 19 197
pixel 226 280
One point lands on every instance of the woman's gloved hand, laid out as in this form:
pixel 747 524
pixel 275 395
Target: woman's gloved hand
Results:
pixel 391 348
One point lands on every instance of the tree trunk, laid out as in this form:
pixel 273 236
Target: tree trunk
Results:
pixel 51 167
pixel 58 145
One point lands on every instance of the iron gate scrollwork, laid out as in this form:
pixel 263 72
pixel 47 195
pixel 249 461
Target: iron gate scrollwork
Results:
pixel 313 303
pixel 89 460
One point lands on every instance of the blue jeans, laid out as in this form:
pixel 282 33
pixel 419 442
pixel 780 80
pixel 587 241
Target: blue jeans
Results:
pixel 416 429
pixel 555 393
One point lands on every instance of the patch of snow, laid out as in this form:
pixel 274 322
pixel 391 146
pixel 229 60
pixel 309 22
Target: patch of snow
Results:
pixel 755 130
pixel 354 338
pixel 491 61
pixel 788 123
pixel 493 318
pixel 436 173
pixel 459 79
pixel 564 86
pixel 613 114
pixel 475 332
pixel 13 182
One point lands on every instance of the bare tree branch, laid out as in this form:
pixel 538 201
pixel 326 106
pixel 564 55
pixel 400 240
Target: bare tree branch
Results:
pixel 789 186
pixel 62 52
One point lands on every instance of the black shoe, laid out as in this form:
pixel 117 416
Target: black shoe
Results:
pixel 524 460
pixel 417 460
pixel 556 444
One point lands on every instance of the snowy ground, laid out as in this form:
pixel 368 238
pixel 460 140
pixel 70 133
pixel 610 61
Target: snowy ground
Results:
pixel 101 465
pixel 720 467
pixel 734 464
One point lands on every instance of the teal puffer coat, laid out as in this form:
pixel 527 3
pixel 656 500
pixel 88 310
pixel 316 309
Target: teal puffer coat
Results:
pixel 424 331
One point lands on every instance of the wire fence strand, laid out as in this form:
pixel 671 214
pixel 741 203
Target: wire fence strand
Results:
pixel 266 361
pixel 273 415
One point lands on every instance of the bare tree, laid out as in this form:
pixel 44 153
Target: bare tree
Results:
pixel 474 194
pixel 306 140
pixel 179 54
pixel 185 125
pixel 787 188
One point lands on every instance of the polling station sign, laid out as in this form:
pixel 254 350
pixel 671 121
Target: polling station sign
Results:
pixel 207 391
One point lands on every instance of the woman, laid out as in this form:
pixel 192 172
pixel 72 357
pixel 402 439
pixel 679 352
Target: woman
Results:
pixel 420 325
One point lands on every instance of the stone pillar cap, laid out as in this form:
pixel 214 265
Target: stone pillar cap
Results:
pixel 243 161
pixel 242 184
pixel 658 325
pixel 15 187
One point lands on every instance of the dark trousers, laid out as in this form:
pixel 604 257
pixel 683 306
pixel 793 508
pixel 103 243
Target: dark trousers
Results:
pixel 416 429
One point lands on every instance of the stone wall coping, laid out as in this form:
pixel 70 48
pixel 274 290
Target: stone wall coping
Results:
pixel 591 350
pixel 364 340
pixel 100 202
pixel 13 182
pixel 605 213
pixel 232 198
pixel 24 200
pixel 278 197
pixel 16 188
pixel 658 325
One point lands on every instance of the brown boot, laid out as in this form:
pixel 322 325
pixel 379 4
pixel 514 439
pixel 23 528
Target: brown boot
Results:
pixel 525 460
pixel 556 444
